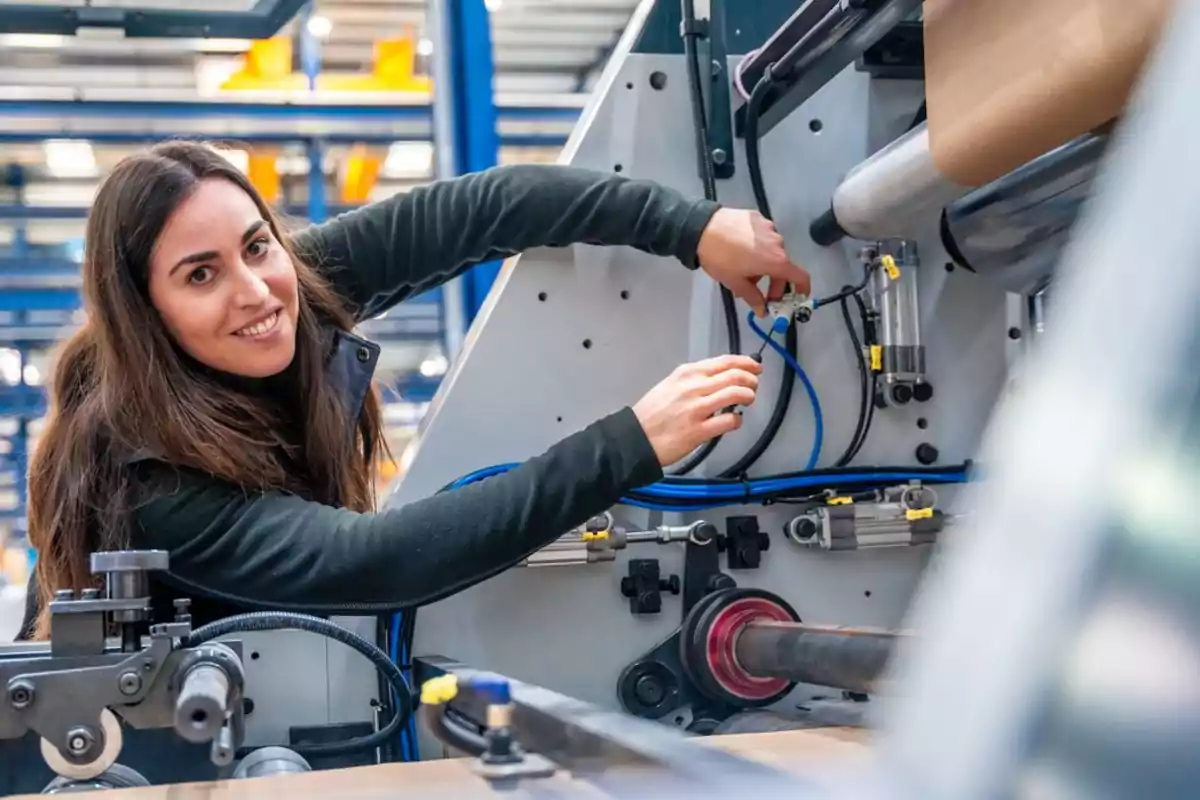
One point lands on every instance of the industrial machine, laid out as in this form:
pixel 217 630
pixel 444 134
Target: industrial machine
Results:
pixel 785 577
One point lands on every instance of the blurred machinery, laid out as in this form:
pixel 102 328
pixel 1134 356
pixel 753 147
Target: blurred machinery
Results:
pixel 771 581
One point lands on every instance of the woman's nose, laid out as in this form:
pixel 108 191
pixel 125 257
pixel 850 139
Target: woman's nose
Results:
pixel 252 289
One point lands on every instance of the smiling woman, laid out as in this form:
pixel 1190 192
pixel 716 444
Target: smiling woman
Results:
pixel 218 405
pixel 233 308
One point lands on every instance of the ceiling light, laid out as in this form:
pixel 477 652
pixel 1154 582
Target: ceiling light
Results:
pixel 493 5
pixel 31 40
pixel 434 366
pixel 425 47
pixel 319 27
pixel 239 158
pixel 69 158
pixel 409 160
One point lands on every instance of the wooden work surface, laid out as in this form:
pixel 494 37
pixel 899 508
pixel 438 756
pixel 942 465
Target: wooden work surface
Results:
pixel 452 778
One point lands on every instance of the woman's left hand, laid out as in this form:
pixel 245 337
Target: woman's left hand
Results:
pixel 741 247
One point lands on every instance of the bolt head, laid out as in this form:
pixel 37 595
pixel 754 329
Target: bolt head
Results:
pixel 80 740
pixel 20 695
pixel 130 683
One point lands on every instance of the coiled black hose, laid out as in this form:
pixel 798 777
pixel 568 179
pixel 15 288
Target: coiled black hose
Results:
pixel 282 620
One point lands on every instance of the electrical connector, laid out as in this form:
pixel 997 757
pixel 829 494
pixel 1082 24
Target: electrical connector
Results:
pixel 791 306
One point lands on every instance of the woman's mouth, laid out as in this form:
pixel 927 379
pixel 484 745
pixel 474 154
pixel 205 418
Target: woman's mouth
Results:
pixel 259 328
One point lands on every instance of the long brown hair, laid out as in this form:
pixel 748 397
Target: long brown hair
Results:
pixel 121 387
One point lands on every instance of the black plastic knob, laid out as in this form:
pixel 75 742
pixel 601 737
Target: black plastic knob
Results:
pixel 927 454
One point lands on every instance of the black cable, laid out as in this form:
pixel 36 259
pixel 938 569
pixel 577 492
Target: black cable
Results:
pixel 864 379
pixel 387 752
pixel 691 31
pixel 783 398
pixel 282 620
pixel 869 338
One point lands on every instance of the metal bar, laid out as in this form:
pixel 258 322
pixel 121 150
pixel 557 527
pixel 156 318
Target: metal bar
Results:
pixel 819 41
pixel 604 747
pixel 261 22
pixel 468 25
pixel 843 658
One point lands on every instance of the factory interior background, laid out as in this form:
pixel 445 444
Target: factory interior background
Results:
pixel 336 110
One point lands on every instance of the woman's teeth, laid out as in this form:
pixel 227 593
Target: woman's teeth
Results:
pixel 261 327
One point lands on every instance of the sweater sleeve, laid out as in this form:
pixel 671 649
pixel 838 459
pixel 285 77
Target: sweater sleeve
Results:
pixel 387 251
pixel 282 552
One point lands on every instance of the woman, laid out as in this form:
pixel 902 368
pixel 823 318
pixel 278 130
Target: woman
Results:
pixel 216 404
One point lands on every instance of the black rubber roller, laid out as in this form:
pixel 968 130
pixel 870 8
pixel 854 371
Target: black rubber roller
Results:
pixel 825 229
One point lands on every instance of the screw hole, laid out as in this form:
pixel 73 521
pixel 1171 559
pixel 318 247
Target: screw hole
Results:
pixel 922 423
pixel 815 125
pixel 658 81
pixel 1014 333
pixel 587 344
pixel 199 716
pixel 949 266
pixel 542 297
pixel 867 593
pixel 558 419
pixel 624 294
pixel 617 168
pixel 629 85
pixel 679 720
pixel 254 656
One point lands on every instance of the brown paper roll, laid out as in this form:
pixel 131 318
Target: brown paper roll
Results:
pixel 1008 80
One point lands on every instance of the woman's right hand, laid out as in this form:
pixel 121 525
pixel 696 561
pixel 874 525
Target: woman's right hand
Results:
pixel 685 410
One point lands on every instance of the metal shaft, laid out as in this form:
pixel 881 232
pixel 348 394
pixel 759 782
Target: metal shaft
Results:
pixel 843 658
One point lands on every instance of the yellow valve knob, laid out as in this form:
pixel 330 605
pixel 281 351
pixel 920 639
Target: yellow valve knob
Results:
pixel 441 689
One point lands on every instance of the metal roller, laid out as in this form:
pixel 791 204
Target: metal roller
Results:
pixel 747 648
pixel 853 659
pixel 1013 230
pixel 889 195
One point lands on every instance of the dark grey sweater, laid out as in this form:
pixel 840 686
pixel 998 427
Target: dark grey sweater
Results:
pixel 233 549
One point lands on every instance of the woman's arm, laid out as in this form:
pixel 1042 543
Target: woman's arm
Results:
pixel 283 552
pixel 384 252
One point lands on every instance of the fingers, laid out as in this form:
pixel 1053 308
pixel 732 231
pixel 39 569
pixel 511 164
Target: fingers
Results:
pixel 748 291
pixel 720 425
pixel 776 289
pixel 724 398
pixel 730 377
pixel 717 364
pixel 787 272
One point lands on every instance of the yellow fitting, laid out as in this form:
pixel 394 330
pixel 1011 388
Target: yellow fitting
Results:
pixel 441 689
pixel 591 536
pixel 876 358
pixel 918 513
pixel 840 501
pixel 889 266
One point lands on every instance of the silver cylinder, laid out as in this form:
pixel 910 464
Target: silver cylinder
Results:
pixel 1013 229
pixel 853 659
pixel 895 191
pixel 895 299
pixel 267 761
pixel 203 703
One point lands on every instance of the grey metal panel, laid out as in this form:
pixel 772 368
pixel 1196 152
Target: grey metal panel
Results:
pixel 524 380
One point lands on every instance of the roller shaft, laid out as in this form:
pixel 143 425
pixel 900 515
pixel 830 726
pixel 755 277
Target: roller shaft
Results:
pixel 843 658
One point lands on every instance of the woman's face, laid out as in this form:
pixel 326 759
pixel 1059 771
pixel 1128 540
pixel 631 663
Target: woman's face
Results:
pixel 223 285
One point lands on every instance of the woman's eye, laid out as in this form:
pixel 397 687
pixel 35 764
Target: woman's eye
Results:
pixel 258 247
pixel 200 275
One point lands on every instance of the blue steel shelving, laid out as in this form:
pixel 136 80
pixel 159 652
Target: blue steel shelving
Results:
pixel 35 285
